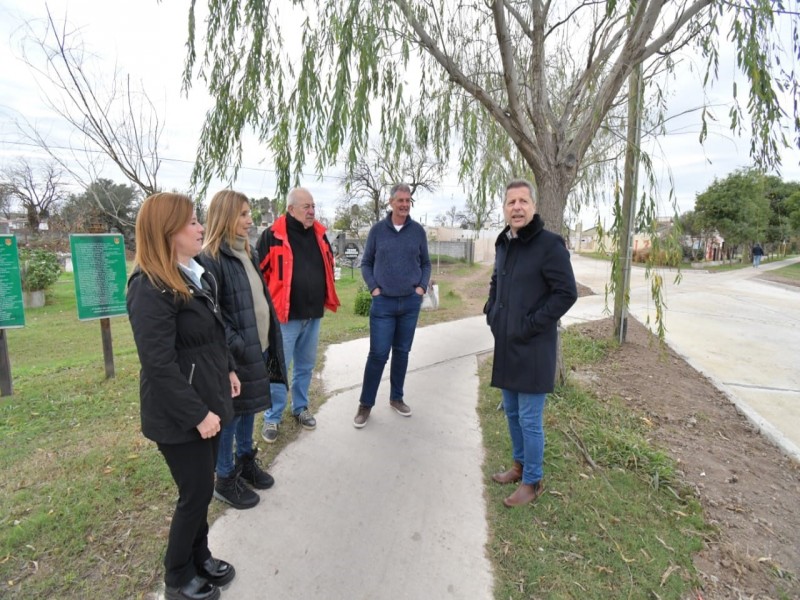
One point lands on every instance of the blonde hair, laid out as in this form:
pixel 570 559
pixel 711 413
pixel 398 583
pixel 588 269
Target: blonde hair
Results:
pixel 223 216
pixel 161 216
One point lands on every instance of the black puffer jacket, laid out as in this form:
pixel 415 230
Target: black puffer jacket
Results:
pixel 185 363
pixel 236 301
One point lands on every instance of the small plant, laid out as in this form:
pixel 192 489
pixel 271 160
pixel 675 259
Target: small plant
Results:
pixel 363 302
pixel 39 269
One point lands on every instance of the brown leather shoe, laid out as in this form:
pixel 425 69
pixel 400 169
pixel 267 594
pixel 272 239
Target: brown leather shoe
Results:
pixel 401 407
pixel 513 475
pixel 524 494
pixel 361 416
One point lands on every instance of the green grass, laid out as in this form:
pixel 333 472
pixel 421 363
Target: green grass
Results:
pixel 625 530
pixel 85 500
pixel 738 264
pixel 599 255
pixel 790 272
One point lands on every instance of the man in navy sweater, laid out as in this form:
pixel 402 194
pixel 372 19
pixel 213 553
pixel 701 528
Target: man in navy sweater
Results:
pixel 397 270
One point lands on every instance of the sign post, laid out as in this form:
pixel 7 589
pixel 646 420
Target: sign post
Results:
pixel 12 311
pixel 100 276
pixel 351 253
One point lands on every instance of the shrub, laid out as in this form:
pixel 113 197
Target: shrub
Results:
pixel 362 303
pixel 39 269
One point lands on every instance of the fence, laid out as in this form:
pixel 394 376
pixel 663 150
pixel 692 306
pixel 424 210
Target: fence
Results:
pixel 458 249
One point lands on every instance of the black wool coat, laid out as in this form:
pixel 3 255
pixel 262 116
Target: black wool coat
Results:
pixel 185 363
pixel 236 301
pixel 532 287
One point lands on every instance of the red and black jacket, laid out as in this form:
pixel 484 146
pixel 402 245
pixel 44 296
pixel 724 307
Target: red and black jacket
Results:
pixel 276 260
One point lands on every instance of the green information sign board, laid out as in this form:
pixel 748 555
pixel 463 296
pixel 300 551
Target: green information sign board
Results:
pixel 99 264
pixel 12 312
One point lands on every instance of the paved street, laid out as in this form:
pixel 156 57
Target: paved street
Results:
pixel 743 333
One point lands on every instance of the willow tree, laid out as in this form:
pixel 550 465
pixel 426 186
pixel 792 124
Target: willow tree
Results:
pixel 485 78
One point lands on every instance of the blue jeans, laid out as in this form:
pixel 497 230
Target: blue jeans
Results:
pixel 524 413
pixel 240 428
pixel 392 323
pixel 300 340
pixel 756 260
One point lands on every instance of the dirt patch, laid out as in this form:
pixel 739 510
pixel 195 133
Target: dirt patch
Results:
pixel 473 287
pixel 779 279
pixel 749 490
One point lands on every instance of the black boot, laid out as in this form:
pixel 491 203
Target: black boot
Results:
pixel 252 473
pixel 233 491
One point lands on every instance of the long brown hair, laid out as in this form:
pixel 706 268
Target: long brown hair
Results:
pixel 161 216
pixel 223 216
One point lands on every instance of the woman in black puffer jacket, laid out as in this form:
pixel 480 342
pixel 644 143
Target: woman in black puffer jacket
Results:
pixel 186 381
pixel 254 340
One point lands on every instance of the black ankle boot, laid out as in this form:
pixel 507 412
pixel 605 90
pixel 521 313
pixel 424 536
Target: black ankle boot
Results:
pixel 233 491
pixel 252 473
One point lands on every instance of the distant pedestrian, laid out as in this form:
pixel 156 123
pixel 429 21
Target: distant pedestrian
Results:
pixel 186 381
pixel 296 261
pixel 254 339
pixel 397 270
pixel 758 252
pixel 531 288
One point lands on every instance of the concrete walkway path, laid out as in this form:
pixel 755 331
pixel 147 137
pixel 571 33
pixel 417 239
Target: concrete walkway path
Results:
pixel 392 511
pixel 396 510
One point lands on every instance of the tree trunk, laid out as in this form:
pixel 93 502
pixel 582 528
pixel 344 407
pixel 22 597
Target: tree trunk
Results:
pixel 621 295
pixel 552 201
pixel 550 206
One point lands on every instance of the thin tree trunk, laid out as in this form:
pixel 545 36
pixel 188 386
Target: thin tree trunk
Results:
pixel 621 295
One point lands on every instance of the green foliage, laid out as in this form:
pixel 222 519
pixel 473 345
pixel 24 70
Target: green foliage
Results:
pixel 490 75
pixel 779 193
pixel 39 269
pixel 362 303
pixel 105 204
pixel 736 207
pixel 792 206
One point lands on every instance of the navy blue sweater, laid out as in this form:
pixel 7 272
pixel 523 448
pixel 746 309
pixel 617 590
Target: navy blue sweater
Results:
pixel 396 261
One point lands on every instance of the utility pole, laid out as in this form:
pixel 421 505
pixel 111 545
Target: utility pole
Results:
pixel 630 185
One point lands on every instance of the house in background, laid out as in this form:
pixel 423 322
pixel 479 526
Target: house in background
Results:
pixel 642 241
pixel 584 240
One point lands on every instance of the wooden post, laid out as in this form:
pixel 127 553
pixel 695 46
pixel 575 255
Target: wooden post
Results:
pixel 108 352
pixel 6 385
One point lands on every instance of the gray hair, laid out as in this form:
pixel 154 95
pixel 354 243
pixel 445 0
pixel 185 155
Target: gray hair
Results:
pixel 291 196
pixel 399 187
pixel 522 183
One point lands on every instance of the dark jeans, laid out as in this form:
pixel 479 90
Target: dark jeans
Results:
pixel 240 430
pixel 192 467
pixel 392 323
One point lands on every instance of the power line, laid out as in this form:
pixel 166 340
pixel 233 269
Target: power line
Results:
pixel 163 158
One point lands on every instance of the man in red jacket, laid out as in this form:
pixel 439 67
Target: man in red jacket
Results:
pixel 296 260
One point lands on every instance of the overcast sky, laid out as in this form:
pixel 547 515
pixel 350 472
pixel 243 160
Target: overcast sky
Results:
pixel 147 40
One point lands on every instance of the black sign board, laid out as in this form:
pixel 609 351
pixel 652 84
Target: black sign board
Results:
pixel 351 251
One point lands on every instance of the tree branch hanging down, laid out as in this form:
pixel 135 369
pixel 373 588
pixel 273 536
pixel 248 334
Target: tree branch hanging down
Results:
pixel 447 70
